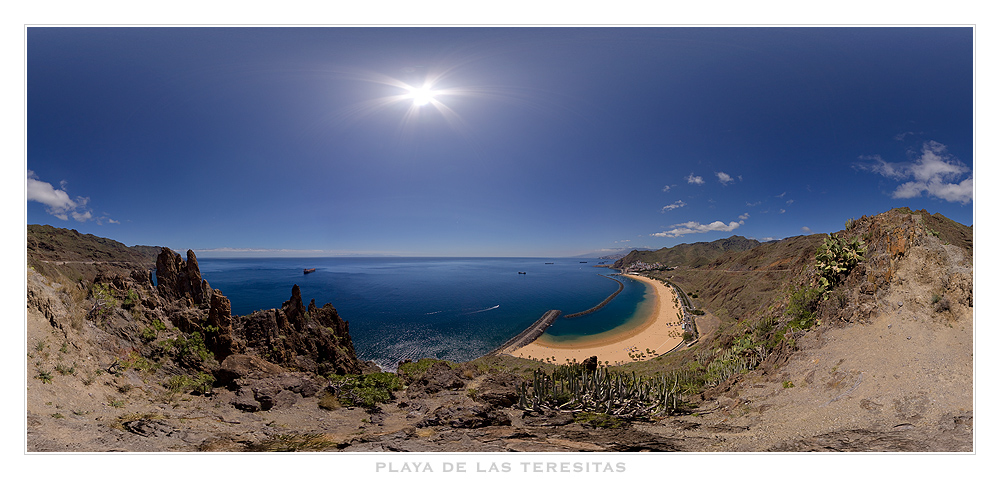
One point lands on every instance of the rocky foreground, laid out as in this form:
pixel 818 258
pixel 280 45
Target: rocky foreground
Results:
pixel 118 364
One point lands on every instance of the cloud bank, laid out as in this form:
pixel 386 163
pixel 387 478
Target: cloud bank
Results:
pixel 936 173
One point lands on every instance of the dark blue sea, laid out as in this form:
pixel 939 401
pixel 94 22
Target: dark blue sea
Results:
pixel 447 308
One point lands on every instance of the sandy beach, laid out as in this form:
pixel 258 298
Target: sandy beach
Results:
pixel 660 332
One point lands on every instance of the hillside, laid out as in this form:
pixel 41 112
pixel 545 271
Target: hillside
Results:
pixel 691 255
pixel 58 251
pixel 880 360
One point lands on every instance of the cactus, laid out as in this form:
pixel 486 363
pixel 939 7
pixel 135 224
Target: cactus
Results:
pixel 623 395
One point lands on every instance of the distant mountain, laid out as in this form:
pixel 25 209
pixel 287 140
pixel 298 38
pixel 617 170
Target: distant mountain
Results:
pixel 610 253
pixel 693 255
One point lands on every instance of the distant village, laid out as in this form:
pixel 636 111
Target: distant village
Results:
pixel 640 266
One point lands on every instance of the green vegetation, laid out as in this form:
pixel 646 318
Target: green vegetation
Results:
pixel 294 443
pixel 44 376
pixel 412 371
pixel 190 350
pixel 200 383
pixel 598 420
pixel 104 299
pixel 134 360
pixel 148 334
pixel 66 371
pixel 364 390
pixel 802 308
pixel 787 384
pixel 131 299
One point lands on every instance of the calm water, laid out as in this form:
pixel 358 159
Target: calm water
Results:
pixel 447 308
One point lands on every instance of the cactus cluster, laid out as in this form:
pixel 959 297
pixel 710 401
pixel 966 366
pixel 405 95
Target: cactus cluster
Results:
pixel 619 394
pixel 836 257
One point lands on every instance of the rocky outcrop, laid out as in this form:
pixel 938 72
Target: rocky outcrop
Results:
pixel 180 280
pixel 305 338
pixel 439 377
pixel 937 274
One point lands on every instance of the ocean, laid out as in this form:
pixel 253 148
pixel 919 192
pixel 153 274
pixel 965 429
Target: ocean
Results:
pixel 447 308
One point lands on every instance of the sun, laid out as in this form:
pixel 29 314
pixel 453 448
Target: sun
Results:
pixel 421 96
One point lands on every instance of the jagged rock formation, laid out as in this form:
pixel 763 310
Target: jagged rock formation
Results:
pixel 307 338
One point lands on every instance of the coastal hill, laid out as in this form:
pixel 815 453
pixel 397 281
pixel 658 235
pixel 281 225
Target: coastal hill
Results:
pixel 692 255
pixel 876 356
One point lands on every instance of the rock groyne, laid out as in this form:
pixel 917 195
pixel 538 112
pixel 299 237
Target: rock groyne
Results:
pixel 530 334
pixel 604 303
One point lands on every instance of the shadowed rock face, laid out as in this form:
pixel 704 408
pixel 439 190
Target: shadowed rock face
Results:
pixel 308 338
pixel 296 336
pixel 180 280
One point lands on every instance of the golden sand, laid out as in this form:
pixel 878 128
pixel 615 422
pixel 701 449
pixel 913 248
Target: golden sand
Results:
pixel 661 331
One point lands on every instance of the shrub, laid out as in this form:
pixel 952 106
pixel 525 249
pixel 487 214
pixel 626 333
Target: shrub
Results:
pixel 44 376
pixel 802 307
pixel 131 299
pixel 364 390
pixel 104 299
pixel 198 384
pixel 329 401
pixel 293 443
pixel 148 335
pixel 598 420
pixel 190 351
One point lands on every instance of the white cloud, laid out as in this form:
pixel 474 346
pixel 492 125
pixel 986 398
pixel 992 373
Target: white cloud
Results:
pixel 692 227
pixel 57 202
pixel 754 204
pixel 936 173
pixel 673 206
pixel 745 216
pixel 781 212
pixel 805 229
pixel 724 178
pixel 695 180
pixel 666 188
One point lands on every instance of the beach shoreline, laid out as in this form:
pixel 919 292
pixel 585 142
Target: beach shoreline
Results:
pixel 660 331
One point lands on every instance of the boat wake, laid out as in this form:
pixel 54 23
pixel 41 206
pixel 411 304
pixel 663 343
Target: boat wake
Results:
pixel 483 310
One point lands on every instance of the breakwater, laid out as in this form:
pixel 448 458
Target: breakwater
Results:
pixel 530 334
pixel 604 303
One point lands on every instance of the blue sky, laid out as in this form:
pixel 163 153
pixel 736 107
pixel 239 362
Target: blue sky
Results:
pixel 528 142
